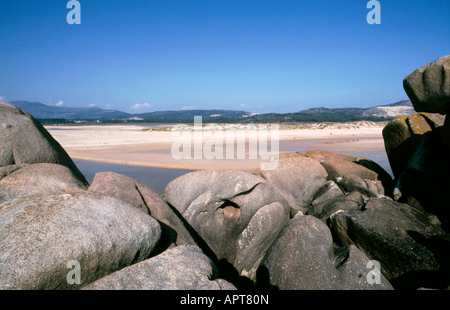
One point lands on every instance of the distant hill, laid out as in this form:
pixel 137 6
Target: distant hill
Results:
pixel 49 113
pixel 188 115
pixel 378 113
pixel 43 111
pixel 391 110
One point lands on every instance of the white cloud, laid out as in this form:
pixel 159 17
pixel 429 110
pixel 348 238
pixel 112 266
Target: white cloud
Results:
pixel 2 98
pixel 141 106
pixel 92 105
pixel 60 103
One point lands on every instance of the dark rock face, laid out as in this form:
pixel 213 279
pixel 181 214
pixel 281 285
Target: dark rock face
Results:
pixel 446 132
pixel 387 231
pixel 236 213
pixel 403 134
pixel 143 198
pixel 41 235
pixel 38 179
pixel 303 258
pixel 25 141
pixel 429 87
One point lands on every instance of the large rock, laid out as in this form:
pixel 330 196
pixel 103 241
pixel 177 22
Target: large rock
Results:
pixel 297 179
pixel 384 177
pixel 326 209
pixel 23 140
pixel 424 182
pixel 6 170
pixel 237 214
pixel 338 165
pixel 303 258
pixel 386 231
pixel 143 198
pixel 181 268
pixel 38 179
pixel 369 188
pixel 322 155
pixel 42 238
pixel 328 191
pixel 429 87
pixel 402 136
pixel 446 132
pixel 337 169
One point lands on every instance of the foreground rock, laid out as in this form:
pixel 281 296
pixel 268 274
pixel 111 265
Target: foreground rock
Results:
pixel 297 178
pixel 337 169
pixel 424 182
pixel 38 179
pixel 387 231
pixel 23 140
pixel 446 132
pixel 143 198
pixel 180 268
pixel 429 87
pixel 6 170
pixel 303 258
pixel 325 209
pixel 402 137
pixel 41 236
pixel 237 214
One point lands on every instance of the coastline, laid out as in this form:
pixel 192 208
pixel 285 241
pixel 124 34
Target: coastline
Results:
pixel 144 146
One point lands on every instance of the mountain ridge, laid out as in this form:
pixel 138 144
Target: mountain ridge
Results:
pixel 320 114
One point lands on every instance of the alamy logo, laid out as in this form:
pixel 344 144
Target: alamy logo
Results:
pixel 374 16
pixel 74 275
pixel 74 16
pixel 374 275
pixel 230 141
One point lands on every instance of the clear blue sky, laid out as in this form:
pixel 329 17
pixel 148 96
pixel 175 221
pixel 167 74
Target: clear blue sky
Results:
pixel 258 56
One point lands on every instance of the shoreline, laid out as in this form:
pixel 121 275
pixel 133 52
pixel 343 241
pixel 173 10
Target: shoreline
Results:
pixel 133 145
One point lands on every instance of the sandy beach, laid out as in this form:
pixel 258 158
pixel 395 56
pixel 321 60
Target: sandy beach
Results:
pixel 163 145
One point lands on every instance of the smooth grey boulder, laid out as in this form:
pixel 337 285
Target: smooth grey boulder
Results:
pixel 38 179
pixel 329 207
pixel 237 214
pixel 184 267
pixel 5 170
pixel 386 231
pixel 174 231
pixel 428 87
pixel 297 178
pixel 328 191
pixel 23 140
pixel 42 236
pixel 369 188
pixel 337 169
pixel 303 258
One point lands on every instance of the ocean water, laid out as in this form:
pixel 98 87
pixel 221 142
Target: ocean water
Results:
pixel 154 178
pixel 158 178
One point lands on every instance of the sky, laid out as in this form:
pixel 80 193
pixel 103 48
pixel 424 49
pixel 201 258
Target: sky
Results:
pixel 254 55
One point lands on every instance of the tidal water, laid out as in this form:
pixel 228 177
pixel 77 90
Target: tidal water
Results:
pixel 154 178
pixel 158 178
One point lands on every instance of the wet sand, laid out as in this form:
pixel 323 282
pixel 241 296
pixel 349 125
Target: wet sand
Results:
pixel 139 145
